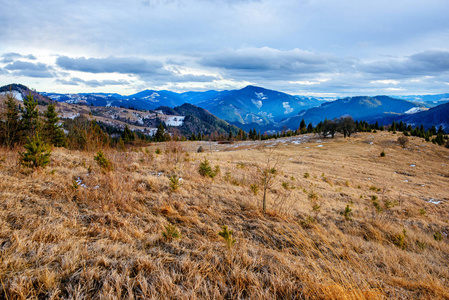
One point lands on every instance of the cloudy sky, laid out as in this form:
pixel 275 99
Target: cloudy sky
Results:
pixel 302 47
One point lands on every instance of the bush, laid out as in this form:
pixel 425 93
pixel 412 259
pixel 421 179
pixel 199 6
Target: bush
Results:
pixel 102 161
pixel 382 154
pixel 37 153
pixel 403 141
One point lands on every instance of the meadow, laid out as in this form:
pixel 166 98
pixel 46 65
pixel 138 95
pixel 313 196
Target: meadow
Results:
pixel 342 222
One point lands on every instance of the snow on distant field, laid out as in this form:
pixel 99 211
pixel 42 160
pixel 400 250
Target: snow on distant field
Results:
pixel 414 110
pixel 69 115
pixel 16 95
pixel 175 120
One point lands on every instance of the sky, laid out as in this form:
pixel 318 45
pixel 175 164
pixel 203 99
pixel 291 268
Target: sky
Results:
pixel 301 47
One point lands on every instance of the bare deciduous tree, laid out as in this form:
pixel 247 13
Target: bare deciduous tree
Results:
pixel 268 171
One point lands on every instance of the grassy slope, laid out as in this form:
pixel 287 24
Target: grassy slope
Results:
pixel 58 241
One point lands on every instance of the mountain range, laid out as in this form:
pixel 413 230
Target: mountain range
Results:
pixel 269 110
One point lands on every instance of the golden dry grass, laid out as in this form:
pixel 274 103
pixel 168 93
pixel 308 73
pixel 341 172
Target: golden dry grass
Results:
pixel 102 237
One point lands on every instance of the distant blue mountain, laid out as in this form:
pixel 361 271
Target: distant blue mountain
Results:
pixel 256 105
pixel 360 108
pixel 427 100
pixel 436 116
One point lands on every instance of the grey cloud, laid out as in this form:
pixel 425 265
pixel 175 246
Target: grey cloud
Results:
pixel 421 64
pixel 12 56
pixel 268 59
pixel 91 83
pixel 192 78
pixel 23 68
pixel 123 65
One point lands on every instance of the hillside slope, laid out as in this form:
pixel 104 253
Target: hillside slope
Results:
pixel 108 236
pixel 199 120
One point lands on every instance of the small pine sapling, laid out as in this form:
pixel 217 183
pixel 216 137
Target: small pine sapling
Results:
pixel 171 232
pixel 227 236
pixel 175 182
pixel 103 162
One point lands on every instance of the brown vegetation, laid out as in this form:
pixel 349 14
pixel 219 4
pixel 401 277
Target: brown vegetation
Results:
pixel 353 228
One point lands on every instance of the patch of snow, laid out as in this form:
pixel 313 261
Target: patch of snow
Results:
pixel 80 183
pixel 406 180
pixel 69 115
pixel 320 146
pixel 257 103
pixel 433 201
pixel 261 96
pixel 152 97
pixel 287 107
pixel 412 166
pixel 414 110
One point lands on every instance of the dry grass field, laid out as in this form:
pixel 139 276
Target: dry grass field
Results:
pixel 341 222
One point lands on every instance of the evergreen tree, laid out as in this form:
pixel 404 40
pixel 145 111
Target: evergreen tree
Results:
pixel 160 133
pixel 310 128
pixel 10 124
pixel 376 126
pixel 302 126
pixel 51 130
pixel 37 153
pixel 30 116
pixel 433 130
pixel 440 130
pixel 439 139
pixel 127 135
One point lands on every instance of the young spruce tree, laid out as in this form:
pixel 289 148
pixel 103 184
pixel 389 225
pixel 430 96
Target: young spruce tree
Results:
pixel 30 116
pixel 51 130
pixel 37 154
pixel 10 123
